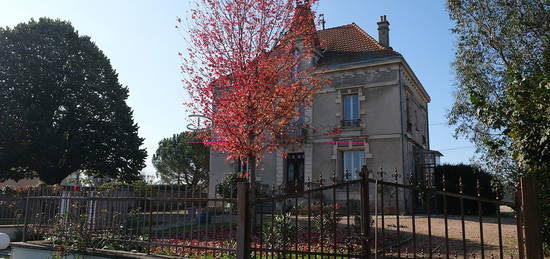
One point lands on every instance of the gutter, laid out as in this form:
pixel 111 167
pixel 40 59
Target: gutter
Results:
pixel 402 128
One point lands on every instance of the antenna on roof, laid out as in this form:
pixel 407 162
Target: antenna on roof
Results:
pixel 322 18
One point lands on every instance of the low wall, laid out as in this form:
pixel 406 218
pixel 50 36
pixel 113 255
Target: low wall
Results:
pixel 24 250
pixel 14 231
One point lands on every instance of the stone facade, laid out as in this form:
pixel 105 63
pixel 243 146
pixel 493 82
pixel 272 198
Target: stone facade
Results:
pixel 392 125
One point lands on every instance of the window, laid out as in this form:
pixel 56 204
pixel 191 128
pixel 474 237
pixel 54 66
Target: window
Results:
pixel 409 123
pixel 351 111
pixel 353 162
pixel 294 70
pixel 416 121
pixel 240 166
pixel 296 126
pixel 294 172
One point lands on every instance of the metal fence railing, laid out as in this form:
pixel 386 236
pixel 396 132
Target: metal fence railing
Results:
pixel 379 215
pixel 167 220
pixel 11 208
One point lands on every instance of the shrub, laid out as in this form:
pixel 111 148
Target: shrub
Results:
pixel 326 219
pixel 227 188
pixel 279 233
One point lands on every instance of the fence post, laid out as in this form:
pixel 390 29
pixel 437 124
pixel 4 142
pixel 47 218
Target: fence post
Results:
pixel 25 218
pixel 150 219
pixel 243 226
pixel 365 213
pixel 519 222
pixel 531 217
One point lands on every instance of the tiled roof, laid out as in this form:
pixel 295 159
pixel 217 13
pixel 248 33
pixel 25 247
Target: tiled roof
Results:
pixel 21 183
pixel 350 43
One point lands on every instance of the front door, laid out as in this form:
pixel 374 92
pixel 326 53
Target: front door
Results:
pixel 294 172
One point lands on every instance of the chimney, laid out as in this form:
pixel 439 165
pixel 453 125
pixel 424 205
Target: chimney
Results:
pixel 384 32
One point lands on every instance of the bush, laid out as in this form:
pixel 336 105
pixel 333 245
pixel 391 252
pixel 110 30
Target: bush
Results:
pixel 227 188
pixel 326 220
pixel 279 233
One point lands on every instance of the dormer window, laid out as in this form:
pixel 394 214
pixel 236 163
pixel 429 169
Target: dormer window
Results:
pixel 351 111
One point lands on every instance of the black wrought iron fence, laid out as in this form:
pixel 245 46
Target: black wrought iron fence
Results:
pixel 166 220
pixel 11 208
pixel 323 220
pixel 379 215
pixel 384 215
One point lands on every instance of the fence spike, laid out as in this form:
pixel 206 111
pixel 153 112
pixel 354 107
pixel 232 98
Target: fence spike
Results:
pixel 321 179
pixel 478 188
pixel 333 177
pixel 498 190
pixel 396 175
pixel 460 185
pixel 381 174
pixel 444 183
pixel 308 183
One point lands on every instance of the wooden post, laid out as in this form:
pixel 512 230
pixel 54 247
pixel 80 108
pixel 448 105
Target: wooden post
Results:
pixel 243 227
pixel 519 223
pixel 531 218
pixel 365 213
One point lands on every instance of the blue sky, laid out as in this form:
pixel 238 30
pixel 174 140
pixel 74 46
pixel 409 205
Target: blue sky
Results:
pixel 142 43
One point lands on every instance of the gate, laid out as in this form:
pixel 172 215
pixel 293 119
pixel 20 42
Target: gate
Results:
pixel 374 217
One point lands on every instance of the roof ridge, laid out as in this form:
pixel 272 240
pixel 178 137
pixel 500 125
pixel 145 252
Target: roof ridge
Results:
pixel 368 35
pixel 341 26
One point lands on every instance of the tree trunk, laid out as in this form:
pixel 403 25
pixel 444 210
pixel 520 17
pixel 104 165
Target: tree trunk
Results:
pixel 251 160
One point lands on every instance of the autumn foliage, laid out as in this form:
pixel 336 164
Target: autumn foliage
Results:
pixel 250 69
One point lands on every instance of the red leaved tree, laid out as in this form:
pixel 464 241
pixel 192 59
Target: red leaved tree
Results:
pixel 250 69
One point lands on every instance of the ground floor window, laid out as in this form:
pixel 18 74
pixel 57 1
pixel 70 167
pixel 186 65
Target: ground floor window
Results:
pixel 294 172
pixel 353 162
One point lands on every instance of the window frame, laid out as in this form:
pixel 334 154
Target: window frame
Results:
pixel 351 102
pixel 361 163
pixel 358 115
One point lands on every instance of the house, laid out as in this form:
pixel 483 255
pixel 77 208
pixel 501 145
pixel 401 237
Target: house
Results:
pixel 374 112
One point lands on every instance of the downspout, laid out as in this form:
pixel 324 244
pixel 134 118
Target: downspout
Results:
pixel 427 128
pixel 402 131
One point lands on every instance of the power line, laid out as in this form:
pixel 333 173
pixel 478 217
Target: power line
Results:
pixel 438 123
pixel 455 148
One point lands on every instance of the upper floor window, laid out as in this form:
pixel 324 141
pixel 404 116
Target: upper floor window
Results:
pixel 294 70
pixel 351 111
pixel 353 163
pixel 296 126
pixel 409 122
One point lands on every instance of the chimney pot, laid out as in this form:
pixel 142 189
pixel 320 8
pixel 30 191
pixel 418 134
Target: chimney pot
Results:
pixel 384 32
